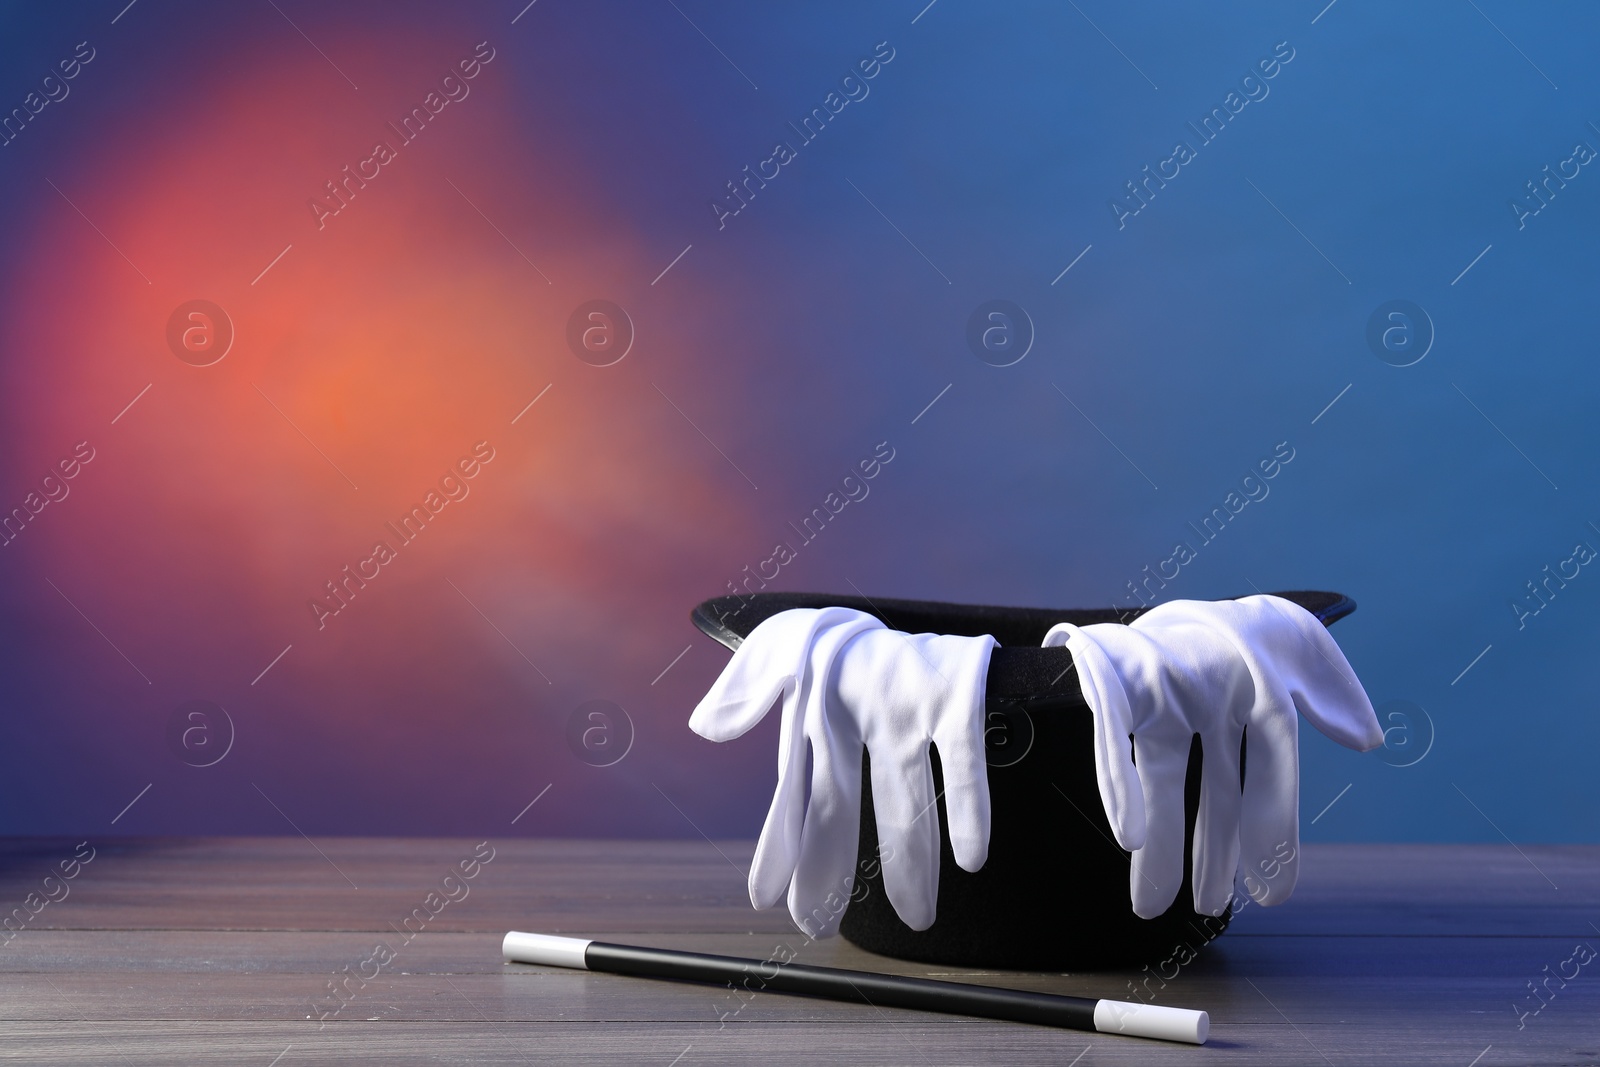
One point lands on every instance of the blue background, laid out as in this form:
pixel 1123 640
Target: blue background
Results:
pixel 1224 318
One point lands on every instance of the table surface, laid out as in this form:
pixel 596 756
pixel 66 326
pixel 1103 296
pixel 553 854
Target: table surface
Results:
pixel 224 950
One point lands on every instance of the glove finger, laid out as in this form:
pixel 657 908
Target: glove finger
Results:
pixel 966 798
pixel 778 848
pixel 765 664
pixel 825 873
pixel 905 805
pixel 1269 825
pixel 1121 793
pixel 1216 828
pixel 958 734
pixel 1320 681
pixel 1157 872
pixel 824 854
pixel 820 633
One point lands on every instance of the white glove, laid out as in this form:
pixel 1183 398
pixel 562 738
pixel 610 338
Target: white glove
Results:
pixel 848 681
pixel 1212 668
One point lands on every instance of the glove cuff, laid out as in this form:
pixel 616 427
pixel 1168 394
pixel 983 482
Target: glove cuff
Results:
pixel 1021 674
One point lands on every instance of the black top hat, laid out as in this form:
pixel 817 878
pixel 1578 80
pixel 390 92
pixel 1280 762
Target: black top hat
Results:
pixel 1053 894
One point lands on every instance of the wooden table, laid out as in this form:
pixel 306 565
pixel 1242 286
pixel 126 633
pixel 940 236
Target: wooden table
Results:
pixel 164 951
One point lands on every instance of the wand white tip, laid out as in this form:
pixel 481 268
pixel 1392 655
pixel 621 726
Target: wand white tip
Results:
pixel 546 949
pixel 1152 1020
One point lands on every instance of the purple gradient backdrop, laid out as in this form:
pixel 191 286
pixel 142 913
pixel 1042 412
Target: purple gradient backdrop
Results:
pixel 781 347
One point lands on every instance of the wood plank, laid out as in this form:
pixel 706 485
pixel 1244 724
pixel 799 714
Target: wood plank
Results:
pixel 283 883
pixel 526 995
pixel 322 953
pixel 169 950
pixel 690 1045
